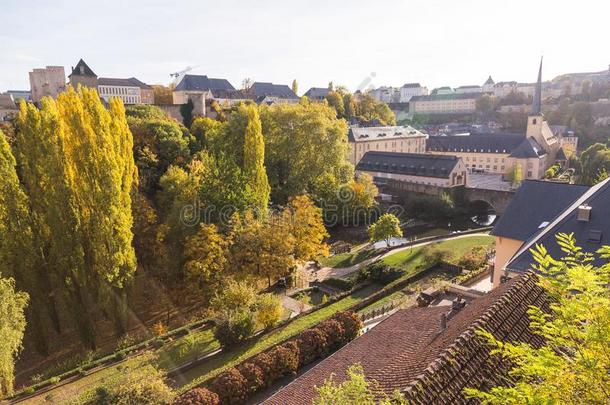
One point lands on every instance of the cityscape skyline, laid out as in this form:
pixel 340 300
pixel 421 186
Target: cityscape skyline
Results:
pixel 277 43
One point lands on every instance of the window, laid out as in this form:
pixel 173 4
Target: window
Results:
pixel 529 174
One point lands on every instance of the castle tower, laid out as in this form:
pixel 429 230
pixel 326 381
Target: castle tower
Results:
pixel 83 75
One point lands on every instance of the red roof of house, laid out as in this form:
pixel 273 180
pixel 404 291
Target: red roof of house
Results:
pixel 410 352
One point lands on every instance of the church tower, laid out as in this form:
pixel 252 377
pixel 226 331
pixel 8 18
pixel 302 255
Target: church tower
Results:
pixel 537 127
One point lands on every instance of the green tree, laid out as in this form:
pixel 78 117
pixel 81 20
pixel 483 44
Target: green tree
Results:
pixel 186 111
pixel 303 143
pixel 162 94
pixel 571 366
pixel 386 228
pixel 486 104
pixel 335 100
pixel 593 161
pixel 295 86
pixel 355 390
pixel 12 327
pixel 514 175
pixel 235 296
pixel 254 160
pixel 369 110
pixel 268 310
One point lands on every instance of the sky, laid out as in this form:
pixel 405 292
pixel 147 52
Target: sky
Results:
pixel 382 42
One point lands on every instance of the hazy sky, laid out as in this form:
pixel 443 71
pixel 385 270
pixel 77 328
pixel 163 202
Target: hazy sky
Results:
pixel 448 42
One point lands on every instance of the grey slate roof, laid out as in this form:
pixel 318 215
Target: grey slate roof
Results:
pixel 488 143
pixel 590 235
pixel 528 148
pixel 203 83
pixel 411 164
pixel 317 92
pixel 131 82
pixel 411 85
pixel 86 69
pixel 264 89
pixel 489 80
pixel 535 203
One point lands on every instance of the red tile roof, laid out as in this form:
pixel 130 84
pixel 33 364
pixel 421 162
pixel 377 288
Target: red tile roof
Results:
pixel 410 352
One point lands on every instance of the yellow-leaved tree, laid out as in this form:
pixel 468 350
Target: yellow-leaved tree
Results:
pixel 77 169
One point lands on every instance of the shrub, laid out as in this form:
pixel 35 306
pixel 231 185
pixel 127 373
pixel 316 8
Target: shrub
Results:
pixel 285 361
pixel 29 391
pixel 198 396
pixel 230 386
pixel 433 256
pixel 473 259
pixel 312 345
pixel 265 363
pixel 234 329
pixel 54 380
pixel 145 385
pixel 254 375
pixel 159 328
pixel 351 324
pixel 269 310
pixel 339 283
pixel 158 343
pixel 379 272
pixel 335 334
pixel 120 355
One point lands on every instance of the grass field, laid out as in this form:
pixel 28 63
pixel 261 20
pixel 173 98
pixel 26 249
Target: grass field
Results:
pixel 410 259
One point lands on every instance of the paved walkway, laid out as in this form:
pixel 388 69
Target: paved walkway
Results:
pixel 295 306
pixel 330 272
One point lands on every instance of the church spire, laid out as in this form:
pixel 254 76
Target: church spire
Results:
pixel 537 104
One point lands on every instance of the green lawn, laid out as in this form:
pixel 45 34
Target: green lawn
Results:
pixel 348 259
pixel 410 259
pixel 220 362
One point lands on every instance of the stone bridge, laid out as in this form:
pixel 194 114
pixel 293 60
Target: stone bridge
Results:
pixel 497 199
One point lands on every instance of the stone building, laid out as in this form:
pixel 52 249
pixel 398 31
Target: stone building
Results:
pixel 131 90
pixel 403 170
pixel 384 139
pixel 444 104
pixel 49 81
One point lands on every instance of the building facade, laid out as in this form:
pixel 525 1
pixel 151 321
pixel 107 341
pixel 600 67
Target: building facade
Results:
pixel 410 90
pixel 443 104
pixel 404 139
pixel 47 82
pixel 408 169
pixel 469 89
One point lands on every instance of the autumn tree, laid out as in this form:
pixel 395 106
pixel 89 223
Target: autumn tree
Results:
pixel 12 327
pixel 262 248
pixel 386 228
pixel 162 94
pixel 571 366
pixel 206 255
pixel 307 227
pixel 77 168
pixel 18 257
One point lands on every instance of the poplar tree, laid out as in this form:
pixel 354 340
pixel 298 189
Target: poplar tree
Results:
pixel 76 164
pixel 254 159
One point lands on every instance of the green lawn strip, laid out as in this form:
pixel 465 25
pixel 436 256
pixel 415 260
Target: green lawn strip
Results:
pixel 186 349
pixel 348 259
pixel 409 259
pixel 224 360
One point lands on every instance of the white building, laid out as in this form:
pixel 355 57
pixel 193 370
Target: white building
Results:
pixel 469 89
pixel 130 91
pixel 443 104
pixel 411 90
pixel 386 94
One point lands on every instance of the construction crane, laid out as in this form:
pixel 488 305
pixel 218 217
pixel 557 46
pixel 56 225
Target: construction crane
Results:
pixel 178 75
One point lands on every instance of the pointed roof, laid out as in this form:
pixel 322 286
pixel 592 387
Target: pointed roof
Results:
pixel 82 69
pixel 489 81
pixel 536 106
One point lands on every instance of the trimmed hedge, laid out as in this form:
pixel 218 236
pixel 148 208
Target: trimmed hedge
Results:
pixel 237 384
pixel 380 272
pixel 198 396
pixel 339 283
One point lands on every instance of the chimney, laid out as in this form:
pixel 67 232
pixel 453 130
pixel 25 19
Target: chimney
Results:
pixel 584 213
pixel 458 303
pixel 443 321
